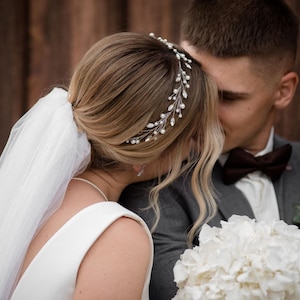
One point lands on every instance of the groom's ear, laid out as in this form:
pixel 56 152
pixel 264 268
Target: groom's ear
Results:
pixel 286 90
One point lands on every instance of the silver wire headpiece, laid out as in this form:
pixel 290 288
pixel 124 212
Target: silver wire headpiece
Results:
pixel 178 95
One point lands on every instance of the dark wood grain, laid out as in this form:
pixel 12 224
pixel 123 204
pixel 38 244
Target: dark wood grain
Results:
pixel 42 41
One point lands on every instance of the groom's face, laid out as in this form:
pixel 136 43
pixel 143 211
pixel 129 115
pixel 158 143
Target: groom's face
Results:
pixel 246 107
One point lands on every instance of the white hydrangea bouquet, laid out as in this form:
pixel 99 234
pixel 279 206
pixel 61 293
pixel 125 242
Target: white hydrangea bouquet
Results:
pixel 243 259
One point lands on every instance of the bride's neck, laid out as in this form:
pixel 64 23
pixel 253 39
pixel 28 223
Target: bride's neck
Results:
pixel 111 183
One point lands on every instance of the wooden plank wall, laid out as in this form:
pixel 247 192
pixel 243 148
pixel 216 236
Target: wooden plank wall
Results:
pixel 42 40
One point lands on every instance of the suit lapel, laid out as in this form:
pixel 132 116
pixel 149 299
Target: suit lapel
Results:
pixel 287 187
pixel 230 200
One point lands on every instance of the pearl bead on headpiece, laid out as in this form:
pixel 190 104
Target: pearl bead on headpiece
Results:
pixel 177 97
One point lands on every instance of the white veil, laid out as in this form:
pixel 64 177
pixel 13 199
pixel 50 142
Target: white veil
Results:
pixel 43 153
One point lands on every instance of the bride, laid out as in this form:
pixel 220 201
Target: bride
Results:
pixel 136 107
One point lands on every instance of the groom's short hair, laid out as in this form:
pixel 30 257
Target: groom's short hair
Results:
pixel 234 28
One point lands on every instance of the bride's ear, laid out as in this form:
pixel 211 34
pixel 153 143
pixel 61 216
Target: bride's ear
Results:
pixel 139 169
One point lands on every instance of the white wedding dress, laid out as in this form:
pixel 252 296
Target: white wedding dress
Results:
pixel 52 273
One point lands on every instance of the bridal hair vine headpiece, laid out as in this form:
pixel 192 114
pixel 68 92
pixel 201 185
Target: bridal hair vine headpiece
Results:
pixel 177 97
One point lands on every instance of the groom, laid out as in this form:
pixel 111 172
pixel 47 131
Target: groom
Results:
pixel 249 48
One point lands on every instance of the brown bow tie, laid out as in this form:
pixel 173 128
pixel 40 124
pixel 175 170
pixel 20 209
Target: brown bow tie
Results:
pixel 240 163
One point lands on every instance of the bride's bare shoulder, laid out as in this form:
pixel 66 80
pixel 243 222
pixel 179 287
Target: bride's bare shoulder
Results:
pixel 119 258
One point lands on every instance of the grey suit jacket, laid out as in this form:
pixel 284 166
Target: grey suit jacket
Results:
pixel 179 211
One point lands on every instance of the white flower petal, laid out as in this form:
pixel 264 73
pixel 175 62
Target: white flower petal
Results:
pixel 243 259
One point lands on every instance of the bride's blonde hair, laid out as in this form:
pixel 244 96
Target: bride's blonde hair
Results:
pixel 122 84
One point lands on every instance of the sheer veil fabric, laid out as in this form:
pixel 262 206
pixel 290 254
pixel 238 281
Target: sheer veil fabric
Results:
pixel 44 151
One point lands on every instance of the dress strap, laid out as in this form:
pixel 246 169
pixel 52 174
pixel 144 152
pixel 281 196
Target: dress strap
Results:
pixel 93 185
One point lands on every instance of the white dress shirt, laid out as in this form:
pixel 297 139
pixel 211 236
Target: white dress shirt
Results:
pixel 258 189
